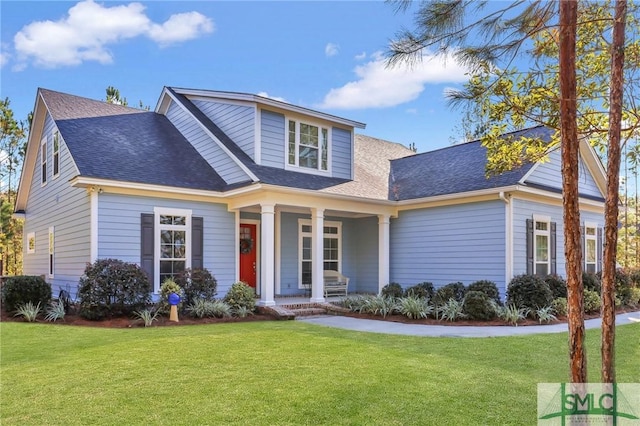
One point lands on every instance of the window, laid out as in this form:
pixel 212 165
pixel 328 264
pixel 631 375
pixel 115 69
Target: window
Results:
pixel 31 242
pixel 56 154
pixel 331 252
pixel 541 246
pixel 173 238
pixel 308 146
pixel 51 251
pixel 43 160
pixel 590 248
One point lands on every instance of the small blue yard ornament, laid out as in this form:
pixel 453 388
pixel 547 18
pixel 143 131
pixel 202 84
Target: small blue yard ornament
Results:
pixel 174 299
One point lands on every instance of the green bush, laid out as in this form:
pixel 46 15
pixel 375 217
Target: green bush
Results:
pixel 557 285
pixel 169 286
pixel 423 290
pixel 592 301
pixel 634 300
pixel 111 287
pixel 392 290
pixel 451 310
pixel 477 305
pixel 414 307
pixel 487 287
pixel 197 284
pixel 529 292
pixel 378 305
pixel 23 289
pixel 591 281
pixel 453 291
pixel 623 285
pixel 241 294
pixel 634 277
pixel 559 306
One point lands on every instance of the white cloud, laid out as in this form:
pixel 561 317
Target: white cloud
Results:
pixel 89 28
pixel 379 86
pixel 4 58
pixel 331 49
pixel 276 98
pixel 361 56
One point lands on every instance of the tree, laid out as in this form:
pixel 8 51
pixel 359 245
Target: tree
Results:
pixel 113 97
pixel 508 99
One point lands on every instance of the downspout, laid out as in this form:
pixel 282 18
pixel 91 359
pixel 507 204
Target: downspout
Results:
pixel 508 235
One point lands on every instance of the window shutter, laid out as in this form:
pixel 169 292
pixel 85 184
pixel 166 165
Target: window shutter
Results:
pixel 600 248
pixel 552 243
pixel 583 238
pixel 197 243
pixel 530 246
pixel 146 245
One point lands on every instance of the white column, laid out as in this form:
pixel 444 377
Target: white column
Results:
pixel 267 241
pixel 317 255
pixel 93 231
pixel 383 251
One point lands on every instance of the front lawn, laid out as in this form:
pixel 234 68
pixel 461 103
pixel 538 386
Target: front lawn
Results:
pixel 280 373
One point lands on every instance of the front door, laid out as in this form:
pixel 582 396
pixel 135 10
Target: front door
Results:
pixel 248 253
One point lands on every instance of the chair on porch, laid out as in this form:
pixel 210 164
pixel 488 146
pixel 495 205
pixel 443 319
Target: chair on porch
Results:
pixel 335 283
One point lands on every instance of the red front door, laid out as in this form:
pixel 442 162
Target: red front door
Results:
pixel 248 254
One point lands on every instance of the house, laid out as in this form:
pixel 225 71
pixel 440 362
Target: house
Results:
pixel 270 193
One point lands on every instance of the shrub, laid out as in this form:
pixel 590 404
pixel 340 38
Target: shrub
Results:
pixel 111 287
pixel 55 311
pixel 529 292
pixel 392 290
pixel 477 305
pixel 28 311
pixel 353 303
pixel 169 286
pixel 219 309
pixel 557 285
pixel 559 306
pixel 379 305
pixel 592 301
pixel 241 294
pixel 623 286
pixel 591 281
pixel 148 316
pixel 242 312
pixel 634 300
pixel 414 307
pixel 512 314
pixel 423 290
pixel 545 314
pixel 23 289
pixel 197 284
pixel 454 291
pixel 451 310
pixel 487 287
pixel 634 277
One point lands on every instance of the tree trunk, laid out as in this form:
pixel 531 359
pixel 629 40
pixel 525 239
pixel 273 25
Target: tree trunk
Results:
pixel 571 206
pixel 611 204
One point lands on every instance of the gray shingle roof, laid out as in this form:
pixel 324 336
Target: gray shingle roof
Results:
pixel 451 170
pixel 115 142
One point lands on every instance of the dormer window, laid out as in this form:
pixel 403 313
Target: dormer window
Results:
pixel 56 154
pixel 43 161
pixel 308 146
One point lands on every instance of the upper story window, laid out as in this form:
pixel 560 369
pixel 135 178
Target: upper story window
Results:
pixel 56 154
pixel 308 146
pixel 590 248
pixel 43 160
pixel 542 246
pixel 31 242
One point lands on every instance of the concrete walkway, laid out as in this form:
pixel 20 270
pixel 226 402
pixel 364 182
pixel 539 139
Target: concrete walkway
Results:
pixel 388 327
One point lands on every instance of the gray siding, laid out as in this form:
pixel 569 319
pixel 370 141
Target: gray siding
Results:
pixel 272 129
pixel 364 235
pixel 119 232
pixel 228 169
pixel 341 153
pixel 447 244
pixel 67 209
pixel 237 121
pixel 550 173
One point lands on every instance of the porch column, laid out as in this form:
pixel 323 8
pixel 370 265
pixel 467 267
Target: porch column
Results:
pixel 267 241
pixel 383 251
pixel 317 255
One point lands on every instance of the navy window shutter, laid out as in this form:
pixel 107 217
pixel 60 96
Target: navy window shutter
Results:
pixel 600 251
pixel 197 243
pixel 147 245
pixel 552 244
pixel 530 269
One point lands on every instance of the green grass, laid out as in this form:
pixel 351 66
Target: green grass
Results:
pixel 280 373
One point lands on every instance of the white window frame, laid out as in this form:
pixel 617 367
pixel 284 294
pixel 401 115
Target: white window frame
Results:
pixel 52 250
pixel 55 156
pixel 302 235
pixel 43 161
pixel 158 228
pixel 587 238
pixel 541 219
pixel 31 248
pixel 296 166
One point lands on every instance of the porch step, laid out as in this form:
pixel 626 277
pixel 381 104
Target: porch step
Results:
pixel 308 312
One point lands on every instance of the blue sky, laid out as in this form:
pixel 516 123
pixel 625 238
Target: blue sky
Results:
pixel 322 55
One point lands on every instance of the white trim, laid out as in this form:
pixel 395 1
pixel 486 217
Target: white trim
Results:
pixel 267 231
pixel 297 167
pixel 56 135
pixel 256 245
pixel 594 238
pixel 508 232
pixel 326 223
pixel 51 253
pixel 31 235
pixel 278 250
pixel 383 251
pixel 161 211
pixel 546 233
pixel 257 139
pixel 93 227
